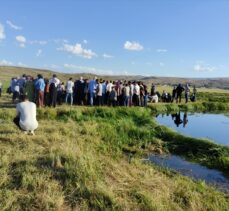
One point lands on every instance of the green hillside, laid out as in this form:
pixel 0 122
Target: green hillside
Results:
pixel 7 72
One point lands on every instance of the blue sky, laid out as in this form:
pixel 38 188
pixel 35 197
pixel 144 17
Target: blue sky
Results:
pixel 143 37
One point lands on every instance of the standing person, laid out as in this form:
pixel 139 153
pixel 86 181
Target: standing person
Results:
pixel 15 89
pixel 0 89
pixel 142 94
pixel 40 87
pixel 86 94
pixel 153 90
pixel 46 93
pixel 126 94
pixel 30 88
pixel 92 90
pixel 194 94
pixel 119 87
pixel 69 91
pixel 174 94
pixel 146 95
pixel 81 91
pixel 187 91
pixel 78 91
pixel 108 91
pixel 113 97
pixel 53 83
pixel 60 93
pixel 104 99
pixel 131 92
pixel 99 92
pixel 179 89
pixel 26 115
pixel 21 83
pixel 136 96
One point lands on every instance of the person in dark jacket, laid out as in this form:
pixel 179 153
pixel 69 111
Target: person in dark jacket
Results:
pixel 179 90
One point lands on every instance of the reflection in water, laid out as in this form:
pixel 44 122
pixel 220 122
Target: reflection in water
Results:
pixel 199 125
pixel 192 170
pixel 177 119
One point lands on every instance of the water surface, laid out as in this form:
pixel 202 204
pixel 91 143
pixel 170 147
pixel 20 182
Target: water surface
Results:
pixel 199 125
pixel 195 171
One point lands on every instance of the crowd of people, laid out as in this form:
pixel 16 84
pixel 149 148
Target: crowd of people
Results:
pixel 50 92
pixel 99 92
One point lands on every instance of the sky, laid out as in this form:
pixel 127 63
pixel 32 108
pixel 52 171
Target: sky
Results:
pixel 130 37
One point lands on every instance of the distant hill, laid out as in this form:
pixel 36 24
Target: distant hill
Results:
pixel 7 72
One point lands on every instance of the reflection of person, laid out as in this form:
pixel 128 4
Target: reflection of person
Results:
pixel 185 119
pixel 173 116
pixel 178 120
pixel 26 115
pixel 174 94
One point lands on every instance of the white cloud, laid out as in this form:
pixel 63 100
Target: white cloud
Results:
pixel 5 63
pixel 39 52
pixel 107 56
pixel 201 66
pixel 20 64
pixel 22 45
pixel 161 64
pixel 22 40
pixel 71 68
pixel 60 40
pixel 133 46
pixel 40 42
pixel 162 50
pixel 13 26
pixel 2 32
pixel 85 41
pixel 78 50
pixel 86 69
pixel 52 66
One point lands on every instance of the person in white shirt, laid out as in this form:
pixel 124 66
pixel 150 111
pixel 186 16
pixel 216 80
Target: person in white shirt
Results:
pixel 108 91
pixel 69 91
pixel 131 92
pixel 26 115
pixel 99 92
pixel 136 96
pixel 53 83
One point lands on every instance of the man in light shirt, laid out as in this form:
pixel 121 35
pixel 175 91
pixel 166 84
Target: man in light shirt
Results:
pixel 69 91
pixel 92 90
pixel 26 115
pixel 108 91
pixel 126 94
pixel 136 96
pixel 99 92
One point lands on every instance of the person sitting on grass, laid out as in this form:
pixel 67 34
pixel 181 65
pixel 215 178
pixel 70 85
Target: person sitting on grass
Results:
pixel 26 115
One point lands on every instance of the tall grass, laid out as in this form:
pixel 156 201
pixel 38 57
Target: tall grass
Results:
pixel 77 161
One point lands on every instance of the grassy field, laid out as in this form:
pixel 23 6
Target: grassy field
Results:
pixel 79 160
